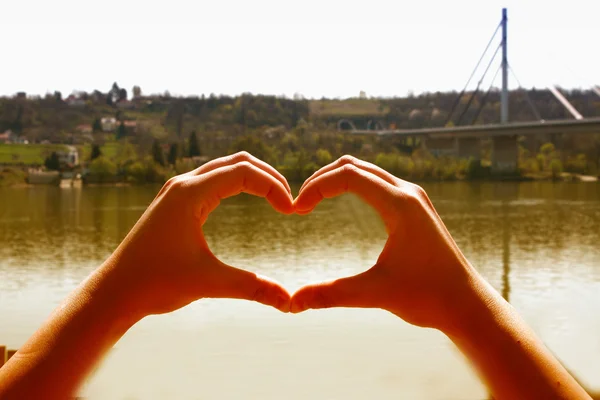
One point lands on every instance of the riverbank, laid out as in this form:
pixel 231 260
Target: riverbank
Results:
pixel 16 178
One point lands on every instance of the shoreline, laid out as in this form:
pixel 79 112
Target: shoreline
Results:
pixel 564 177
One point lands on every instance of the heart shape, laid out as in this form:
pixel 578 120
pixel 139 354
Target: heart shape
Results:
pixel 416 276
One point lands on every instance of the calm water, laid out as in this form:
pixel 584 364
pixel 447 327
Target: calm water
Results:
pixel 537 243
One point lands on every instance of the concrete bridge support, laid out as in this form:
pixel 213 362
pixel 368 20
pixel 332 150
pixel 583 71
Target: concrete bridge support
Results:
pixel 442 146
pixel 505 155
pixel 469 147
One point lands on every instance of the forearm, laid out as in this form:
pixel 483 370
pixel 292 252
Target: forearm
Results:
pixel 55 361
pixel 511 359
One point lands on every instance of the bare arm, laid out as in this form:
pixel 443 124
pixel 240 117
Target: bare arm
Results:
pixel 512 360
pixel 163 264
pixel 422 277
pixel 58 357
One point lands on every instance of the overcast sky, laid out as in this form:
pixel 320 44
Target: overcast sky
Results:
pixel 313 47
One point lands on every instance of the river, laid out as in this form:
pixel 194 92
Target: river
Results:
pixel 537 243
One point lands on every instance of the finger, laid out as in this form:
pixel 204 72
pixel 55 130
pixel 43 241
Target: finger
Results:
pixel 244 177
pixel 348 178
pixel 240 157
pixel 237 283
pixel 353 291
pixel 374 169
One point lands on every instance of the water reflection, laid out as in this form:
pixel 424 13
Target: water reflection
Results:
pixel 536 243
pixel 506 257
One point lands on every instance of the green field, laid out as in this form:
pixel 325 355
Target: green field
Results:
pixel 109 150
pixel 35 154
pixel 27 153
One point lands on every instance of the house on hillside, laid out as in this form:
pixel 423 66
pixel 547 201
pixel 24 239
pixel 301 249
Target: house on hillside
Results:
pixel 10 137
pixel 6 137
pixel 131 126
pixel 84 129
pixel 75 101
pixel 109 124
pixel 69 157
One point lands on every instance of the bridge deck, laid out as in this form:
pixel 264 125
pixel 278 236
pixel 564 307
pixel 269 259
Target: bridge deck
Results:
pixel 588 125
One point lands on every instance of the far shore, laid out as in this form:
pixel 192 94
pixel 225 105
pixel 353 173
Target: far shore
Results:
pixel 564 177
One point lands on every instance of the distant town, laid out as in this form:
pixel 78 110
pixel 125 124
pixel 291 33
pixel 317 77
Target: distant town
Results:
pixel 126 137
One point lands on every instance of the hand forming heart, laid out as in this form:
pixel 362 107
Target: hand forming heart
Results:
pixel 418 275
pixel 164 263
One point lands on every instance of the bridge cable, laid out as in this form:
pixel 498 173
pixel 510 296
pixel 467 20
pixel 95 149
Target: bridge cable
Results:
pixel 534 109
pixel 457 100
pixel 478 85
pixel 485 97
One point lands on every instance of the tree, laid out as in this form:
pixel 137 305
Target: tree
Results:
pixel 323 157
pixel 52 162
pixel 157 153
pixel 17 126
pixel 102 170
pixel 96 152
pixel 97 126
pixel 113 94
pixel 194 147
pixel 126 153
pixel 122 94
pixel 255 146
pixel 121 131
pixel 137 92
pixel 173 153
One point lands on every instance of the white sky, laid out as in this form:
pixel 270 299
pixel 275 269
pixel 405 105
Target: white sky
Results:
pixel 315 47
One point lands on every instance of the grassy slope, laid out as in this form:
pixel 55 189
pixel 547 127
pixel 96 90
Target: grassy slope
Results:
pixel 27 153
pixel 37 153
pixel 109 150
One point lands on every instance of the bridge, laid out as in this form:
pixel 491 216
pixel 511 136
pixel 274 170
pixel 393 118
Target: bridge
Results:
pixel 465 141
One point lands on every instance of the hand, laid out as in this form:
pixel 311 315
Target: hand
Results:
pixel 164 263
pixel 420 276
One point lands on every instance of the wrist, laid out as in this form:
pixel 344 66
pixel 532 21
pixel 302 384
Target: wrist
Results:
pixel 473 309
pixel 112 294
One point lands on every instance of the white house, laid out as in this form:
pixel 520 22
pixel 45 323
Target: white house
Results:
pixel 109 124
pixel 69 157
pixel 75 101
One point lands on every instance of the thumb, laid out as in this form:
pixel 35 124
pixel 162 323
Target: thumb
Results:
pixel 235 283
pixel 354 291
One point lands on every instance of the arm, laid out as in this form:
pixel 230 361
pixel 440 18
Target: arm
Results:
pixel 512 360
pixel 422 277
pixel 163 264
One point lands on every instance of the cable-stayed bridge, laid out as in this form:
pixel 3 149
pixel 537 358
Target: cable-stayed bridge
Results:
pixel 464 141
